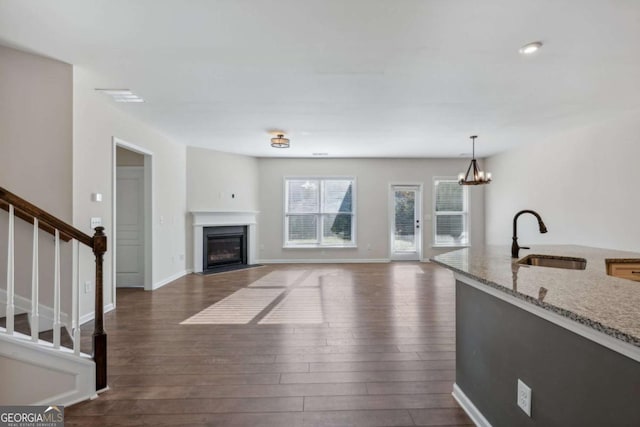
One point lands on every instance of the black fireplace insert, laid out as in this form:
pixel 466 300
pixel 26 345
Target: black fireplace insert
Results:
pixel 224 246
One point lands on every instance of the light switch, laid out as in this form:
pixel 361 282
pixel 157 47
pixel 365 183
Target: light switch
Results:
pixel 96 222
pixel 96 197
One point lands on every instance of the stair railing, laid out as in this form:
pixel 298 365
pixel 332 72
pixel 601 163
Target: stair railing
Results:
pixel 42 220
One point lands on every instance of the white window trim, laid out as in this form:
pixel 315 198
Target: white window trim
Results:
pixel 435 214
pixel 354 221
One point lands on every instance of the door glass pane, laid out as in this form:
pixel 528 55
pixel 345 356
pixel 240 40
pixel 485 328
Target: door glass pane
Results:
pixel 404 236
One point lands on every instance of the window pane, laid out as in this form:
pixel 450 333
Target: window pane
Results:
pixel 449 196
pixel 302 196
pixel 303 229
pixel 404 236
pixel 451 230
pixel 337 229
pixel 337 196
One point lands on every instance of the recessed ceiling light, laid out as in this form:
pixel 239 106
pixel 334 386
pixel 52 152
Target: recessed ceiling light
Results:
pixel 320 154
pixel 530 48
pixel 121 95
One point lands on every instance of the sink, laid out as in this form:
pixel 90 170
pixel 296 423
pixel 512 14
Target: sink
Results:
pixel 554 261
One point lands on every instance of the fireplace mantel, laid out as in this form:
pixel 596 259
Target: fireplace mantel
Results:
pixel 213 218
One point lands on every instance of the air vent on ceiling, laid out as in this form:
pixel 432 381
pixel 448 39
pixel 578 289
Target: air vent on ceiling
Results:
pixel 121 95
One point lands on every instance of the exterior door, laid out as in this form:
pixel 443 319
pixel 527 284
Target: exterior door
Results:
pixel 130 227
pixel 406 226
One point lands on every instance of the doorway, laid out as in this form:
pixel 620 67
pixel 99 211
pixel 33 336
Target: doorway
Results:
pixel 405 209
pixel 132 216
pixel 129 223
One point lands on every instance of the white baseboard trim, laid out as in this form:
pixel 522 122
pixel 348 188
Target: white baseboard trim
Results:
pixel 90 316
pixel 324 261
pixel 169 279
pixel 468 406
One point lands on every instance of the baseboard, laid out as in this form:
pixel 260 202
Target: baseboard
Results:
pixel 324 261
pixel 468 406
pixel 169 279
pixel 90 316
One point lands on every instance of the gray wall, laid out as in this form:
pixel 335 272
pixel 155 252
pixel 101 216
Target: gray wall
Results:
pixel 575 382
pixel 373 177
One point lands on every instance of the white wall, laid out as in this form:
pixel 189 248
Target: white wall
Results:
pixel 373 179
pixel 584 183
pixel 96 122
pixel 35 161
pixel 213 178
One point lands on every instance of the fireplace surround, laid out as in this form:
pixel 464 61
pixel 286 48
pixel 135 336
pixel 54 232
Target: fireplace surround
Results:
pixel 206 219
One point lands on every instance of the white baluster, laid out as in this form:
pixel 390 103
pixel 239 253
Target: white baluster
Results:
pixel 75 290
pixel 35 317
pixel 56 293
pixel 10 274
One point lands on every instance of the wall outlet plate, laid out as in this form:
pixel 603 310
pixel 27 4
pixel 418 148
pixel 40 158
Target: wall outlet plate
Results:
pixel 524 397
pixel 96 222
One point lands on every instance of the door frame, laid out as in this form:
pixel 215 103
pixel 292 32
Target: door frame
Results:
pixel 419 187
pixel 148 212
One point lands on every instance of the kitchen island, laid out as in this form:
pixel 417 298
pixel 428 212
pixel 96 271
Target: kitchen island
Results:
pixel 573 336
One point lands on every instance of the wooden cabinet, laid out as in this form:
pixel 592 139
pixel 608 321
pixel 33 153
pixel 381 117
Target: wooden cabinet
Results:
pixel 624 270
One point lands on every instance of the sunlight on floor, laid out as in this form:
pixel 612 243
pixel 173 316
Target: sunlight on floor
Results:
pixel 280 297
pixel 238 308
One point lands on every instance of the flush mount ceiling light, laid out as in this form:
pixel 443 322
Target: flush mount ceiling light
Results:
pixel 474 175
pixel 530 48
pixel 280 141
pixel 121 95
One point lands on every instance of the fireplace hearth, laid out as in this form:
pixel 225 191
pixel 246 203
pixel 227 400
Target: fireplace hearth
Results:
pixel 223 247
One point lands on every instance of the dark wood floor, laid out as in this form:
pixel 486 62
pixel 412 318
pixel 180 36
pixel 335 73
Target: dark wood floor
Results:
pixel 314 345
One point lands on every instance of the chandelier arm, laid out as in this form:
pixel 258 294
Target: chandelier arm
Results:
pixel 466 175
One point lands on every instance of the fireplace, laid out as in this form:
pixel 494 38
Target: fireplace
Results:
pixel 223 247
pixel 243 220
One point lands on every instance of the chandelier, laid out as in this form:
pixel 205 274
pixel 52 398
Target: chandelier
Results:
pixel 474 175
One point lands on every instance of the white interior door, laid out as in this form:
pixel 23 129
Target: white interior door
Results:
pixel 130 227
pixel 405 203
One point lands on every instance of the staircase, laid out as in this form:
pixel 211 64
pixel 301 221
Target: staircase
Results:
pixel 40 357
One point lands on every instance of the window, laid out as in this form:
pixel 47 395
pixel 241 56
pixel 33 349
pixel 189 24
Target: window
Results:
pixel 451 219
pixel 319 212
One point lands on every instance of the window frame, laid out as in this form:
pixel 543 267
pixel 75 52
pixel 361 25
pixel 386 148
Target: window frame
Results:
pixel 466 214
pixel 320 214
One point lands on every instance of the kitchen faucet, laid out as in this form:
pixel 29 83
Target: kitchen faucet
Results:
pixel 515 248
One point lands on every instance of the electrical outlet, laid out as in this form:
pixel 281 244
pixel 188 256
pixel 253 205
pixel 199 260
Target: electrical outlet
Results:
pixel 87 286
pixel 96 222
pixel 524 397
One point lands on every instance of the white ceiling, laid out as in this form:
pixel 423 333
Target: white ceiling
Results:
pixel 352 78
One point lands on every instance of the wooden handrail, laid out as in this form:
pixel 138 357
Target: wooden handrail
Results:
pixel 47 222
pixel 98 244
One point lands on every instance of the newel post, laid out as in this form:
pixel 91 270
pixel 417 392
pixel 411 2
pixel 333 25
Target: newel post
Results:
pixel 99 335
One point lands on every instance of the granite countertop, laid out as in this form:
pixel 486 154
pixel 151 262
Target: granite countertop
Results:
pixel 607 304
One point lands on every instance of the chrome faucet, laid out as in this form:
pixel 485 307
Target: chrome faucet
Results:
pixel 515 248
